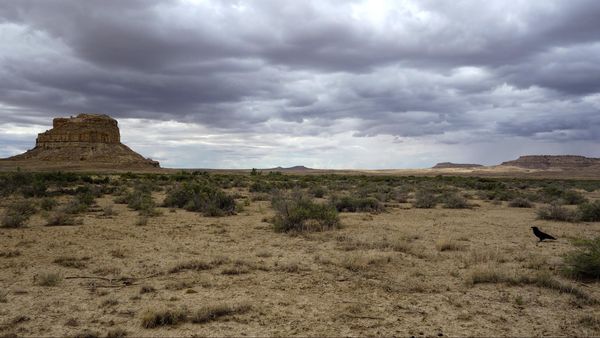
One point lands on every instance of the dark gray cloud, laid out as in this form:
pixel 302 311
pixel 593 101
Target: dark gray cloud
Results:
pixel 434 73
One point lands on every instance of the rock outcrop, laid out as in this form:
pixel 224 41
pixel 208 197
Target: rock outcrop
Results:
pixel 553 161
pixel 447 165
pixel 86 139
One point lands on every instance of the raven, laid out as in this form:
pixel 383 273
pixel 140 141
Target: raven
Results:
pixel 541 235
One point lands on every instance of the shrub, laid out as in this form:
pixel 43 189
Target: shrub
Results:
pixel 317 191
pixel 556 212
pixel 72 262
pixel 520 202
pixel 14 221
pixel 590 212
pixel 108 211
pixel 449 245
pixel 455 201
pixel 212 312
pixel 261 186
pixel 48 203
pixel 116 333
pixel 17 213
pixel 48 279
pixel 572 197
pixel 208 199
pixel 424 199
pixel 584 262
pixel 22 207
pixel 82 201
pixel 156 318
pixel 299 213
pixel 60 217
pixel 357 204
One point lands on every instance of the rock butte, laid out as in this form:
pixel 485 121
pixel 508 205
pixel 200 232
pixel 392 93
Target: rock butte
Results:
pixel 553 161
pixel 86 139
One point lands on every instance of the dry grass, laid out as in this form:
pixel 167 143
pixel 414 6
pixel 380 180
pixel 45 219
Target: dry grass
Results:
pixel 397 244
pixel 362 262
pixel 489 274
pixel 169 317
pixel 479 256
pixel 48 279
pixel 447 244
pixel 163 317
pixel 356 281
pixel 147 289
pixel 72 262
pixel 116 333
pixel 212 312
pixel 61 218
pixel 118 253
pixel 194 265
pixel 10 253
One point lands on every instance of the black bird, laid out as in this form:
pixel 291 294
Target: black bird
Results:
pixel 541 235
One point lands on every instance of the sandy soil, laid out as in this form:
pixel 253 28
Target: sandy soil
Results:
pixel 381 274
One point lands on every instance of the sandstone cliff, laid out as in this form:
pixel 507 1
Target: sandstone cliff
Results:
pixel 86 139
pixel 553 161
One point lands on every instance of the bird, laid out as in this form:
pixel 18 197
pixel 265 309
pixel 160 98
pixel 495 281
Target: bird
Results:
pixel 541 235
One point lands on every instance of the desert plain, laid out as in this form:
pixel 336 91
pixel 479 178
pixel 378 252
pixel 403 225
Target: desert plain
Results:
pixel 387 255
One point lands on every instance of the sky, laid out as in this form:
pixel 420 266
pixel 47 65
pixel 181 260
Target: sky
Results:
pixel 326 84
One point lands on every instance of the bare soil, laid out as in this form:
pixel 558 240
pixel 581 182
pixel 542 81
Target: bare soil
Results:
pixel 403 272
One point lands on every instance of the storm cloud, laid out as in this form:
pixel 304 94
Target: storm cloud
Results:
pixel 336 84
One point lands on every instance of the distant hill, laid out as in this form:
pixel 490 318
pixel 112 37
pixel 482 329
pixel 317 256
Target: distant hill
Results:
pixel 553 161
pixel 294 168
pixel 446 165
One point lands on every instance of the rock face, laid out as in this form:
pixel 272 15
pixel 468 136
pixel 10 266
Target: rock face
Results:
pixel 86 128
pixel 553 161
pixel 446 165
pixel 85 139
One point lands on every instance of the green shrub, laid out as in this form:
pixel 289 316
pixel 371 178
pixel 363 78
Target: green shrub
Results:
pixel 35 189
pixel 455 201
pixel 590 212
pixel 14 221
pixel 556 212
pixel 261 186
pixel 424 199
pixel 585 262
pixel 60 217
pixel 48 204
pixel 299 213
pixel 573 197
pixel 205 198
pixel 17 213
pixel 520 202
pixel 22 207
pixel 357 204
pixel 317 191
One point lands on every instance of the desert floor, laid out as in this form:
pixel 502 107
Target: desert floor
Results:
pixel 402 272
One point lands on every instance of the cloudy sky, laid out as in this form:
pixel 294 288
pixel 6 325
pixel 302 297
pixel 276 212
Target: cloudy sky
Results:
pixel 327 84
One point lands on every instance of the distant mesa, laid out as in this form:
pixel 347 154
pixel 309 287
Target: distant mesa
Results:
pixel 84 140
pixel 448 165
pixel 553 161
pixel 294 168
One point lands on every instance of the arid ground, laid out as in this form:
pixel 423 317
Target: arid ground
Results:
pixel 395 270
